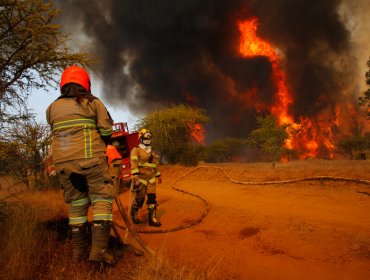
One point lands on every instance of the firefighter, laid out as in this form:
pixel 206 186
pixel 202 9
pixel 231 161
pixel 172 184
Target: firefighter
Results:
pixel 81 128
pixel 145 174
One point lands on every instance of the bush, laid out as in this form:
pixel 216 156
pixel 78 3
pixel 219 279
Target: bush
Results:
pixel 355 147
pixel 173 131
pixel 191 154
pixel 225 150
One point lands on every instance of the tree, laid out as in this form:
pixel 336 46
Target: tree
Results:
pixel 270 137
pixel 32 51
pixel 24 146
pixel 225 150
pixel 173 129
pixel 365 99
pixel 355 147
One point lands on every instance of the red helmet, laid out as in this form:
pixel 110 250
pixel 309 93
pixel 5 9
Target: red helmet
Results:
pixel 75 74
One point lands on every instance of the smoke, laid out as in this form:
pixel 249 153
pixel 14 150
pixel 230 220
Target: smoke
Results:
pixel 163 52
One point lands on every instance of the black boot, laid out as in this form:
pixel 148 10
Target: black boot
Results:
pixel 80 241
pixel 99 244
pixel 134 213
pixel 136 206
pixel 152 211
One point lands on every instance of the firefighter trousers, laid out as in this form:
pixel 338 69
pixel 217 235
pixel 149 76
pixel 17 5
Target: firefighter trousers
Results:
pixel 147 187
pixel 87 182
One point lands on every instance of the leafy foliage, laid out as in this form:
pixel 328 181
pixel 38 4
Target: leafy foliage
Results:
pixel 355 147
pixel 270 137
pixel 365 99
pixel 23 148
pixel 32 50
pixel 172 130
pixel 225 150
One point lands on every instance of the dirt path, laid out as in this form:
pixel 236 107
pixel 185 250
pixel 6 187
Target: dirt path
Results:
pixel 308 230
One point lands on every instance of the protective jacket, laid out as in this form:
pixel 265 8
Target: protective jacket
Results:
pixel 145 164
pixel 78 128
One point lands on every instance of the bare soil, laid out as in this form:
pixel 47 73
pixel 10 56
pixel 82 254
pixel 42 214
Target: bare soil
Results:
pixel 303 230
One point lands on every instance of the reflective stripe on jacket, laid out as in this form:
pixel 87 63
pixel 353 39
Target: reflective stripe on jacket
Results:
pixel 144 164
pixel 77 128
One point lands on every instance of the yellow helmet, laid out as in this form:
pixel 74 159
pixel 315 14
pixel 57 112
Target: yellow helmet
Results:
pixel 145 136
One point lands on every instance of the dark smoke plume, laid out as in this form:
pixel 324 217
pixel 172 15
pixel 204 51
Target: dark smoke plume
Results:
pixel 163 52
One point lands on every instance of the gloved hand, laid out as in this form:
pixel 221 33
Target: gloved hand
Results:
pixel 159 180
pixel 135 183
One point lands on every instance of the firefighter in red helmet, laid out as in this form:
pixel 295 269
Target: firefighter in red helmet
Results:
pixel 81 128
pixel 145 173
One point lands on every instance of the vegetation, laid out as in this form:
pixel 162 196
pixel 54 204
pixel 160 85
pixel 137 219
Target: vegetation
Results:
pixel 35 245
pixel 23 147
pixel 31 247
pixel 225 150
pixel 32 51
pixel 365 99
pixel 173 131
pixel 269 137
pixel 355 147
pixel 24 245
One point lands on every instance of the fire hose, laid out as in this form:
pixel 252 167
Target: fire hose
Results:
pixel 206 206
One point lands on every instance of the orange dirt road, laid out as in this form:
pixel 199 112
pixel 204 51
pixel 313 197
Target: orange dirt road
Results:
pixel 304 230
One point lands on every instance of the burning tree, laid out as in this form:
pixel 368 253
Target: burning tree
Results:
pixel 365 99
pixel 177 132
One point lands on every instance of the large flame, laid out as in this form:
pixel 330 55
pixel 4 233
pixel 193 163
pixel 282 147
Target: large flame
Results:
pixel 251 46
pixel 303 136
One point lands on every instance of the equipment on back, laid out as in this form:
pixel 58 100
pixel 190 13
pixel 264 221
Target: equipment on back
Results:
pixel 77 75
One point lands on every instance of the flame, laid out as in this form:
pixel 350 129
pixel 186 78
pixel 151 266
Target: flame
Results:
pixel 303 136
pixel 251 46
pixel 309 137
pixel 197 132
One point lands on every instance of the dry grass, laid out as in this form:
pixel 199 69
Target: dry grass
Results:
pixel 32 248
pixel 25 245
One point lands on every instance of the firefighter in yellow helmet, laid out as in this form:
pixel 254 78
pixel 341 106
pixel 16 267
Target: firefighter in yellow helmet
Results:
pixel 81 128
pixel 145 173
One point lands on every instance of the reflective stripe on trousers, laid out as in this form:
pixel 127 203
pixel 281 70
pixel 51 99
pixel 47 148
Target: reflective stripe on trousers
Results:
pixel 102 209
pixel 78 211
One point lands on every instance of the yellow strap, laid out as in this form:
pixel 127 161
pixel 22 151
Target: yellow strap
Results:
pixel 73 123
pixel 146 164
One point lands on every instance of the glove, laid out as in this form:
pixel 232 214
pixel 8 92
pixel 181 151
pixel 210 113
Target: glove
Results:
pixel 159 180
